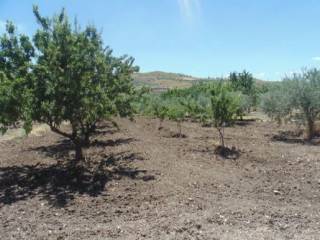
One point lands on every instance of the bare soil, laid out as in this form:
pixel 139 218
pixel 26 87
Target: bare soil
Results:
pixel 141 183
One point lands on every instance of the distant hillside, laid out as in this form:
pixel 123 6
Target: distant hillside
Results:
pixel 160 79
pixel 165 80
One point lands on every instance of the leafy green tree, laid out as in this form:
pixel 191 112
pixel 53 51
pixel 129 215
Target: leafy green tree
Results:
pixel 159 109
pixel 196 108
pixel 176 112
pixel 224 107
pixel 298 98
pixel 16 53
pixel 277 104
pixel 305 97
pixel 242 82
pixel 77 79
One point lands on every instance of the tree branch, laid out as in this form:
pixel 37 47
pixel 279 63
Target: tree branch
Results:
pixel 57 130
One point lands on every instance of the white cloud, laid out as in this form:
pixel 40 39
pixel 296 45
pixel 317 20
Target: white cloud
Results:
pixel 190 9
pixel 316 58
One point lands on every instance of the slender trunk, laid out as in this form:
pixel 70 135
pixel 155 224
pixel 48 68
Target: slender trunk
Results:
pixel 221 133
pixel 311 129
pixel 179 128
pixel 87 139
pixel 160 124
pixel 79 152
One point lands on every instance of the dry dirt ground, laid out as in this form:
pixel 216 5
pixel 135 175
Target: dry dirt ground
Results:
pixel 140 183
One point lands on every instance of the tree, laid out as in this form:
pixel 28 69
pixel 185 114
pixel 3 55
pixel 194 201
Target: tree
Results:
pixel 158 109
pixel 16 53
pixel 298 98
pixel 176 112
pixel 196 107
pixel 224 108
pixel 277 104
pixel 77 80
pixel 242 82
pixel 305 97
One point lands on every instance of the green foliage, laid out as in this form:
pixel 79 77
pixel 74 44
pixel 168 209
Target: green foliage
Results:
pixel 16 53
pixel 176 112
pixel 277 104
pixel 76 79
pixel 159 108
pixel 245 83
pixel 213 103
pixel 242 82
pixel 72 78
pixel 197 108
pixel 224 106
pixel 298 98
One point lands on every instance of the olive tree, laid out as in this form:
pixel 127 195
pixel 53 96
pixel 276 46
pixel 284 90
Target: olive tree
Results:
pixel 77 80
pixel 277 103
pixel 16 53
pixel 305 98
pixel 298 98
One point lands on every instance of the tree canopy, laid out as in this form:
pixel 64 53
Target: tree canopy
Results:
pixel 16 53
pixel 298 98
pixel 72 78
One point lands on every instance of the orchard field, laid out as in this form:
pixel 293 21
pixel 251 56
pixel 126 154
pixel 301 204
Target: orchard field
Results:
pixel 88 152
pixel 145 184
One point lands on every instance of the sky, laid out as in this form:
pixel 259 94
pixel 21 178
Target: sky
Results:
pixel 269 38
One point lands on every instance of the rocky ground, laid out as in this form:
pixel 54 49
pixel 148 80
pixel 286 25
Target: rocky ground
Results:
pixel 141 183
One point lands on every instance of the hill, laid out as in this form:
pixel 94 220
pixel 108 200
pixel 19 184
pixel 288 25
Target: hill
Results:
pixel 165 80
pixel 159 80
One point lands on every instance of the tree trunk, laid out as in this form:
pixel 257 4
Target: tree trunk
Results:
pixel 310 130
pixel 160 124
pixel 179 128
pixel 221 133
pixel 79 152
pixel 87 139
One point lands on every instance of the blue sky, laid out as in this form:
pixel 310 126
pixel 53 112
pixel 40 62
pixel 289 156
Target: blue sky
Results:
pixel 270 38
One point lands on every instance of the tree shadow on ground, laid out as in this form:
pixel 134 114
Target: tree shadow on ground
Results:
pixel 111 143
pixel 227 153
pixel 224 152
pixel 61 182
pixel 289 137
pixel 62 149
pixel 245 122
